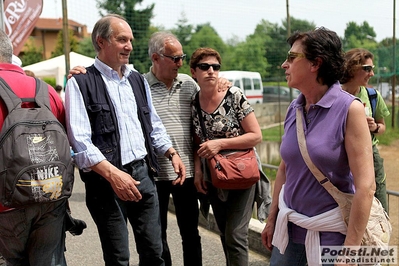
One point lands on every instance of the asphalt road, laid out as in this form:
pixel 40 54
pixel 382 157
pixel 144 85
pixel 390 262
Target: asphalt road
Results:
pixel 86 250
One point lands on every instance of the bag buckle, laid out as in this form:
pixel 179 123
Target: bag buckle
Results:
pixel 217 166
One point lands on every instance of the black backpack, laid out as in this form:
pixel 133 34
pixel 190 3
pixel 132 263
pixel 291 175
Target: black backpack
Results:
pixel 35 164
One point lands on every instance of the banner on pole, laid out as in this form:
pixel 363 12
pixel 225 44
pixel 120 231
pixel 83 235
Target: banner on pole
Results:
pixel 20 18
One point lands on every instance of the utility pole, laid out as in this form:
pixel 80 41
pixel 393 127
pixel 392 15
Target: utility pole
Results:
pixel 65 38
pixel 2 15
pixel 288 20
pixel 288 35
pixel 394 64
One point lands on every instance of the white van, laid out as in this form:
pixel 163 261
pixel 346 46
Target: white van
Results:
pixel 249 82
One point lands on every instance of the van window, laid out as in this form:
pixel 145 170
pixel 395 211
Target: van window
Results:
pixel 247 83
pixel 257 85
pixel 237 83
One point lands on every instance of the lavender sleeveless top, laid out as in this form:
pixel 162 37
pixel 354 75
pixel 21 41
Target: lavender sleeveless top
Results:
pixel 324 126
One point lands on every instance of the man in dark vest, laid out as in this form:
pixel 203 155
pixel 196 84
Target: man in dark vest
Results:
pixel 116 135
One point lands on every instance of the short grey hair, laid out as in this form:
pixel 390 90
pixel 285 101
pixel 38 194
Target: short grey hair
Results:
pixel 103 29
pixel 5 48
pixel 156 45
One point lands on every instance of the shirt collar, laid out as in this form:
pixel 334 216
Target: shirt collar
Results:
pixel 11 67
pixel 326 101
pixel 152 79
pixel 109 72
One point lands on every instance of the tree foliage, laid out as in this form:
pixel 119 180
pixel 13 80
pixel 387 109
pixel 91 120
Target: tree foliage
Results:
pixel 59 48
pixel 362 35
pixel 32 54
pixel 263 51
pixel 274 43
pixel 243 55
pixel 183 30
pixel 139 21
pixel 86 48
pixel 204 36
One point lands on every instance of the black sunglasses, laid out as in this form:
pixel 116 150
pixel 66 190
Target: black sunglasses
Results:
pixel 205 66
pixel 368 68
pixel 175 58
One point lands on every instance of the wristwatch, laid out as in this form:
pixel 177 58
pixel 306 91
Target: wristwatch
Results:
pixel 377 129
pixel 173 154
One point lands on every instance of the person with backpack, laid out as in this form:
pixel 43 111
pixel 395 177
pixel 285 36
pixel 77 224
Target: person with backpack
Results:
pixel 358 69
pixel 116 135
pixel 31 234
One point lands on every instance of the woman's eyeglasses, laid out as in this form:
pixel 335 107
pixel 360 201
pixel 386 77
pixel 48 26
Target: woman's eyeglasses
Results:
pixel 292 55
pixel 175 58
pixel 368 68
pixel 205 67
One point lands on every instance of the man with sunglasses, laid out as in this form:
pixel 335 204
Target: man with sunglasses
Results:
pixel 171 93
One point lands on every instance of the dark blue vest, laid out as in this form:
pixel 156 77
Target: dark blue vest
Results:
pixel 103 121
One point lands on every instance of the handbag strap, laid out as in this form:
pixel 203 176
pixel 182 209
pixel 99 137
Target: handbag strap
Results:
pixel 200 118
pixel 321 178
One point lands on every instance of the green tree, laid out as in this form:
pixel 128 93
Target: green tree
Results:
pixel 248 56
pixel 204 36
pixel 183 30
pixel 85 47
pixel 385 58
pixel 357 36
pixel 139 21
pixel 59 48
pixel 275 45
pixel 31 53
pixel 296 25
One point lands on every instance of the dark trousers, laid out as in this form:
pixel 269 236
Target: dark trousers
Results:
pixel 380 178
pixel 34 235
pixel 111 214
pixel 186 207
pixel 232 215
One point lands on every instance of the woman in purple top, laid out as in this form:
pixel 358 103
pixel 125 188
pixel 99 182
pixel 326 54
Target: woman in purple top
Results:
pixel 338 142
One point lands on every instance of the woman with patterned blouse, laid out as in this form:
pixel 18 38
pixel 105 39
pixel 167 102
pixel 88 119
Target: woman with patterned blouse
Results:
pixel 231 125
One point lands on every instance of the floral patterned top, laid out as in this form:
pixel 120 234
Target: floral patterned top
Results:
pixel 225 121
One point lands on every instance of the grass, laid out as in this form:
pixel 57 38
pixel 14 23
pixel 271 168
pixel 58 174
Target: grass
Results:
pixel 391 134
pixel 275 133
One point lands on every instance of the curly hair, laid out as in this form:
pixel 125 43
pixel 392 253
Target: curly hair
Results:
pixel 354 58
pixel 326 45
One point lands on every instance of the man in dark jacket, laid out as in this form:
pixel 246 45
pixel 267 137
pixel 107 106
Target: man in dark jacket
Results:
pixel 116 135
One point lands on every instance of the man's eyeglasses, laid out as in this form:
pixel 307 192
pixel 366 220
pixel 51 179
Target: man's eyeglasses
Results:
pixel 368 68
pixel 205 66
pixel 292 55
pixel 175 58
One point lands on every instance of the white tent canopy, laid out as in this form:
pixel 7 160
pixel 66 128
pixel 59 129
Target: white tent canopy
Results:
pixel 55 67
